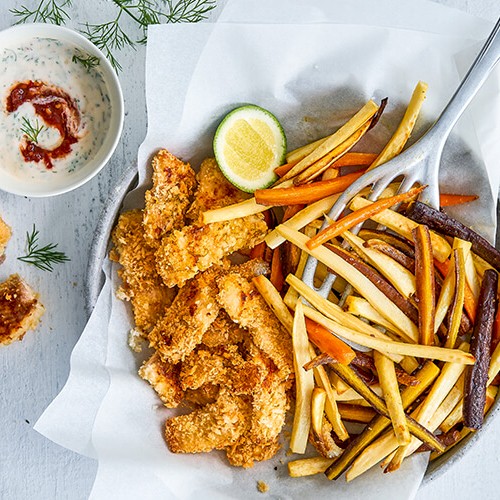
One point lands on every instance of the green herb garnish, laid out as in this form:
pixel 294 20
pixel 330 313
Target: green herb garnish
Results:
pixel 110 36
pixel 31 131
pixel 87 61
pixel 47 11
pixel 43 257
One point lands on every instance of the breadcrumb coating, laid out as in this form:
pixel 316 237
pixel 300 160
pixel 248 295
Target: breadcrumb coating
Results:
pixel 5 234
pixel 167 201
pixel 141 283
pixel 192 312
pixel 20 309
pixel 214 426
pixel 164 378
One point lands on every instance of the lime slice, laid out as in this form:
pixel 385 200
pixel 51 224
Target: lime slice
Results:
pixel 248 145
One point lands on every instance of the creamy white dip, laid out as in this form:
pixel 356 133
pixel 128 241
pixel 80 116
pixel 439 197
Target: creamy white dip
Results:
pixel 51 62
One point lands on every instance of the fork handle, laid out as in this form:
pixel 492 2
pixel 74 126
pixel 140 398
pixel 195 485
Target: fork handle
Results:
pixel 474 79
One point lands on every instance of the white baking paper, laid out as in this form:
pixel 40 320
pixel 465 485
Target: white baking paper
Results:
pixel 313 64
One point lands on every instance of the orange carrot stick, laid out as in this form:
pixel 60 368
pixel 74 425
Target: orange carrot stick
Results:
pixel 329 343
pixel 348 160
pixel 306 193
pixel 358 216
pixel 283 169
pixel 447 200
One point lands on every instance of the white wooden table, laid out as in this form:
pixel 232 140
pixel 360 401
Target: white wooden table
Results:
pixel 33 371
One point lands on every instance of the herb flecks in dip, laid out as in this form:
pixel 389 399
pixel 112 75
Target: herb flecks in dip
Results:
pixel 40 83
pixel 56 108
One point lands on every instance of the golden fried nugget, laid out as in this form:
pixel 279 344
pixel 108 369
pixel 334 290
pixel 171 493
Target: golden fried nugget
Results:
pixel 141 284
pixel 245 306
pixel 223 331
pixel 167 201
pixel 214 426
pixel 185 252
pixel 214 191
pixel 269 407
pixel 164 378
pixel 188 318
pixel 20 309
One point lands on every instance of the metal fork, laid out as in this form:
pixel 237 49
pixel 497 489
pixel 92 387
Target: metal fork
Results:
pixel 419 163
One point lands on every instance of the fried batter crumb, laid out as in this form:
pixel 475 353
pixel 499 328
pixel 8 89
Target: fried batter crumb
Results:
pixel 5 234
pixel 166 202
pixel 20 309
pixel 262 486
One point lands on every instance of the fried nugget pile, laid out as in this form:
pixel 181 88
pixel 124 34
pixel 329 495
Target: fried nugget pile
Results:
pixel 218 348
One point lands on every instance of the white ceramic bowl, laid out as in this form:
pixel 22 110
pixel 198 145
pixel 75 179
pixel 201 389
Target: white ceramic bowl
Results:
pixel 59 184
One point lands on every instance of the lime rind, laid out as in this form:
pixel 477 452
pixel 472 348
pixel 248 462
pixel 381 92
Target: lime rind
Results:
pixel 260 117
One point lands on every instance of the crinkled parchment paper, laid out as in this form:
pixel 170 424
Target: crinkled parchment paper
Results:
pixel 313 64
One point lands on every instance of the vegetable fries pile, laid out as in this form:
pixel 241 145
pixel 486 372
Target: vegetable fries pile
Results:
pixel 415 288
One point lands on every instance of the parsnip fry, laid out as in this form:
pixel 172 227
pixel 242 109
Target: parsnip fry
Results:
pixel 426 375
pixel 318 409
pixel 304 217
pixel 274 301
pixel 491 394
pixel 358 216
pixel 424 273
pixel 356 413
pixel 404 226
pixel 362 308
pixel 241 209
pixel 308 466
pixel 319 166
pixel 331 408
pixel 439 392
pixel 477 376
pixel 402 279
pixel 403 132
pixel 445 297
pixel 362 285
pixel 334 312
pixel 304 382
pixel 469 268
pixel 458 300
pixel 390 387
pixel 365 114
pixel 390 346
pixel 350 377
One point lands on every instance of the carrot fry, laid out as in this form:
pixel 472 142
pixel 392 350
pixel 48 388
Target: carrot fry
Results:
pixel 424 272
pixel 319 166
pixel 329 343
pixel 358 216
pixel 283 169
pixel 305 194
pixel 448 200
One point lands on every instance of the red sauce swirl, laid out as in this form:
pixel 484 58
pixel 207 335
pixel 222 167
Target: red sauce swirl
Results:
pixel 56 108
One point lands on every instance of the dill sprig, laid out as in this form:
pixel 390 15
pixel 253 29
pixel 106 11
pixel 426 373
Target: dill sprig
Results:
pixel 88 61
pixel 47 11
pixel 31 131
pixel 110 36
pixel 43 258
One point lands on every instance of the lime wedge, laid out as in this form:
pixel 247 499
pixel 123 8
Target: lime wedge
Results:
pixel 249 144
